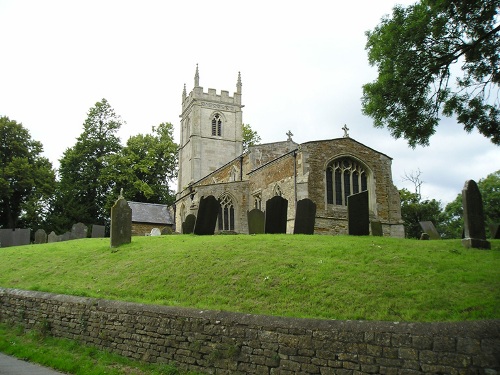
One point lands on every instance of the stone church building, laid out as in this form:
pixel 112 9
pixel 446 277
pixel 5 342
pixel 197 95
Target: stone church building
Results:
pixel 212 162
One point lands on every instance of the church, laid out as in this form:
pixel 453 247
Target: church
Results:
pixel 212 162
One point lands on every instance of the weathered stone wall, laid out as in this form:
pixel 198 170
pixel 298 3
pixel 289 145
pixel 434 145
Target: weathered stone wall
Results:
pixel 230 343
pixel 143 229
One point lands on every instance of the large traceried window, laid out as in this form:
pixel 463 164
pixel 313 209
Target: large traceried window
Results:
pixel 344 177
pixel 217 125
pixel 226 213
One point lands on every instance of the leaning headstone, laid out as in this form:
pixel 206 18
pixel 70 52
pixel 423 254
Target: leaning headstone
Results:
pixel 53 237
pixel 155 232
pixel 305 217
pixel 429 228
pixel 358 215
pixel 495 231
pixel 208 211
pixel 256 220
pixel 474 229
pixel 98 231
pixel 276 215
pixel 40 236
pixel 121 223
pixel 79 230
pixel 188 224
pixel 376 227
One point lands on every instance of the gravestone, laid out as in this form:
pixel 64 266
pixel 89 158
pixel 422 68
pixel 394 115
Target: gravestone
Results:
pixel 358 215
pixel 188 224
pixel 121 223
pixel 425 236
pixel 495 231
pixel 98 231
pixel 377 229
pixel 276 214
pixel 305 217
pixel 166 230
pixel 474 229
pixel 256 221
pixel 429 228
pixel 208 211
pixel 78 230
pixel 155 232
pixel 66 236
pixel 40 236
pixel 14 237
pixel 53 237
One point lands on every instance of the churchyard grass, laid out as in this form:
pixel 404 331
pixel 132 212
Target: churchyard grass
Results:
pixel 326 277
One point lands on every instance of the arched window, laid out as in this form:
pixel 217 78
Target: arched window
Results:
pixel 226 213
pixel 344 177
pixel 217 125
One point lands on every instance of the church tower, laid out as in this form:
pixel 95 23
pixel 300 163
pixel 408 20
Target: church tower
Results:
pixel 211 131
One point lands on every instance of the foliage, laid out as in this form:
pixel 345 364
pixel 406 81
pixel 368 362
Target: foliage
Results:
pixel 417 51
pixel 250 137
pixel 414 210
pixel 26 178
pixel 144 168
pixel 82 193
pixel 330 277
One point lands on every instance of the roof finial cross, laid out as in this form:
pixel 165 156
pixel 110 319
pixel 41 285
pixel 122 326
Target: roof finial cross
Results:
pixel 290 135
pixel 345 129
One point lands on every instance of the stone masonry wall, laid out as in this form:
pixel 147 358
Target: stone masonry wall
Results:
pixel 230 343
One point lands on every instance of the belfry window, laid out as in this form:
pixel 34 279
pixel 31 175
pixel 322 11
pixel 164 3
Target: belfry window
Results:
pixel 217 125
pixel 344 177
pixel 226 213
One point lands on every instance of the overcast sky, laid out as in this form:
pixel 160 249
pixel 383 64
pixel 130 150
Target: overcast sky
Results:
pixel 302 67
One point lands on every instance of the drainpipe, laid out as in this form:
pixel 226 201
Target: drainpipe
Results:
pixel 295 174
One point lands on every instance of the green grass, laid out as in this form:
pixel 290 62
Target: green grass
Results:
pixel 70 356
pixel 327 277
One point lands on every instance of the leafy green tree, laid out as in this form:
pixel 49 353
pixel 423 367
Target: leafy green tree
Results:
pixel 145 168
pixel 250 137
pixel 436 57
pixel 453 218
pixel 82 193
pixel 26 178
pixel 414 210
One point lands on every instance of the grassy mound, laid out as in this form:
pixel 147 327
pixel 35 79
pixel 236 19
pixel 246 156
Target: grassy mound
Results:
pixel 330 277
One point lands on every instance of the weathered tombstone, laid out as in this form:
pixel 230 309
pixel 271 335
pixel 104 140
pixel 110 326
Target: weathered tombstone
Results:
pixel 495 231
pixel 208 211
pixel 98 231
pixel 474 230
pixel 425 236
pixel 166 230
pixel 121 223
pixel 305 217
pixel 21 237
pixel 358 215
pixel 256 220
pixel 40 236
pixel 66 236
pixel 53 237
pixel 276 214
pixel 188 224
pixel 429 228
pixel 155 232
pixel 78 230
pixel 376 227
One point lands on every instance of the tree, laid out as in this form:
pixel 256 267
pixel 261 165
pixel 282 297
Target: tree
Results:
pixel 26 178
pixel 414 210
pixel 250 137
pixel 417 52
pixel 144 168
pixel 82 193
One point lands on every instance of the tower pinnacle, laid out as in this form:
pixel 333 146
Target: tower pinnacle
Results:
pixel 238 84
pixel 197 77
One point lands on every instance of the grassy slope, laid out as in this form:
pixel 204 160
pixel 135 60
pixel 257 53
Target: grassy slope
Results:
pixel 334 277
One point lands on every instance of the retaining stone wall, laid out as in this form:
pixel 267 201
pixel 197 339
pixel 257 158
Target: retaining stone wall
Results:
pixel 229 343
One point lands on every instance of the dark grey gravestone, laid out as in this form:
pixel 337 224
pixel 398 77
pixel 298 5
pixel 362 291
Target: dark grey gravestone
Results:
pixel 66 236
pixel 188 224
pixel 98 231
pixel 40 236
pixel 276 214
pixel 358 216
pixel 305 217
pixel 474 229
pixel 425 236
pixel 377 229
pixel 208 211
pixel 256 221
pixel 121 223
pixel 78 230
pixel 166 230
pixel 429 228
pixel 21 237
pixel 53 237
pixel 495 231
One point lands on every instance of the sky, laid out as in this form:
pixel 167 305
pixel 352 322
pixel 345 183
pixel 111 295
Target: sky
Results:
pixel 302 67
